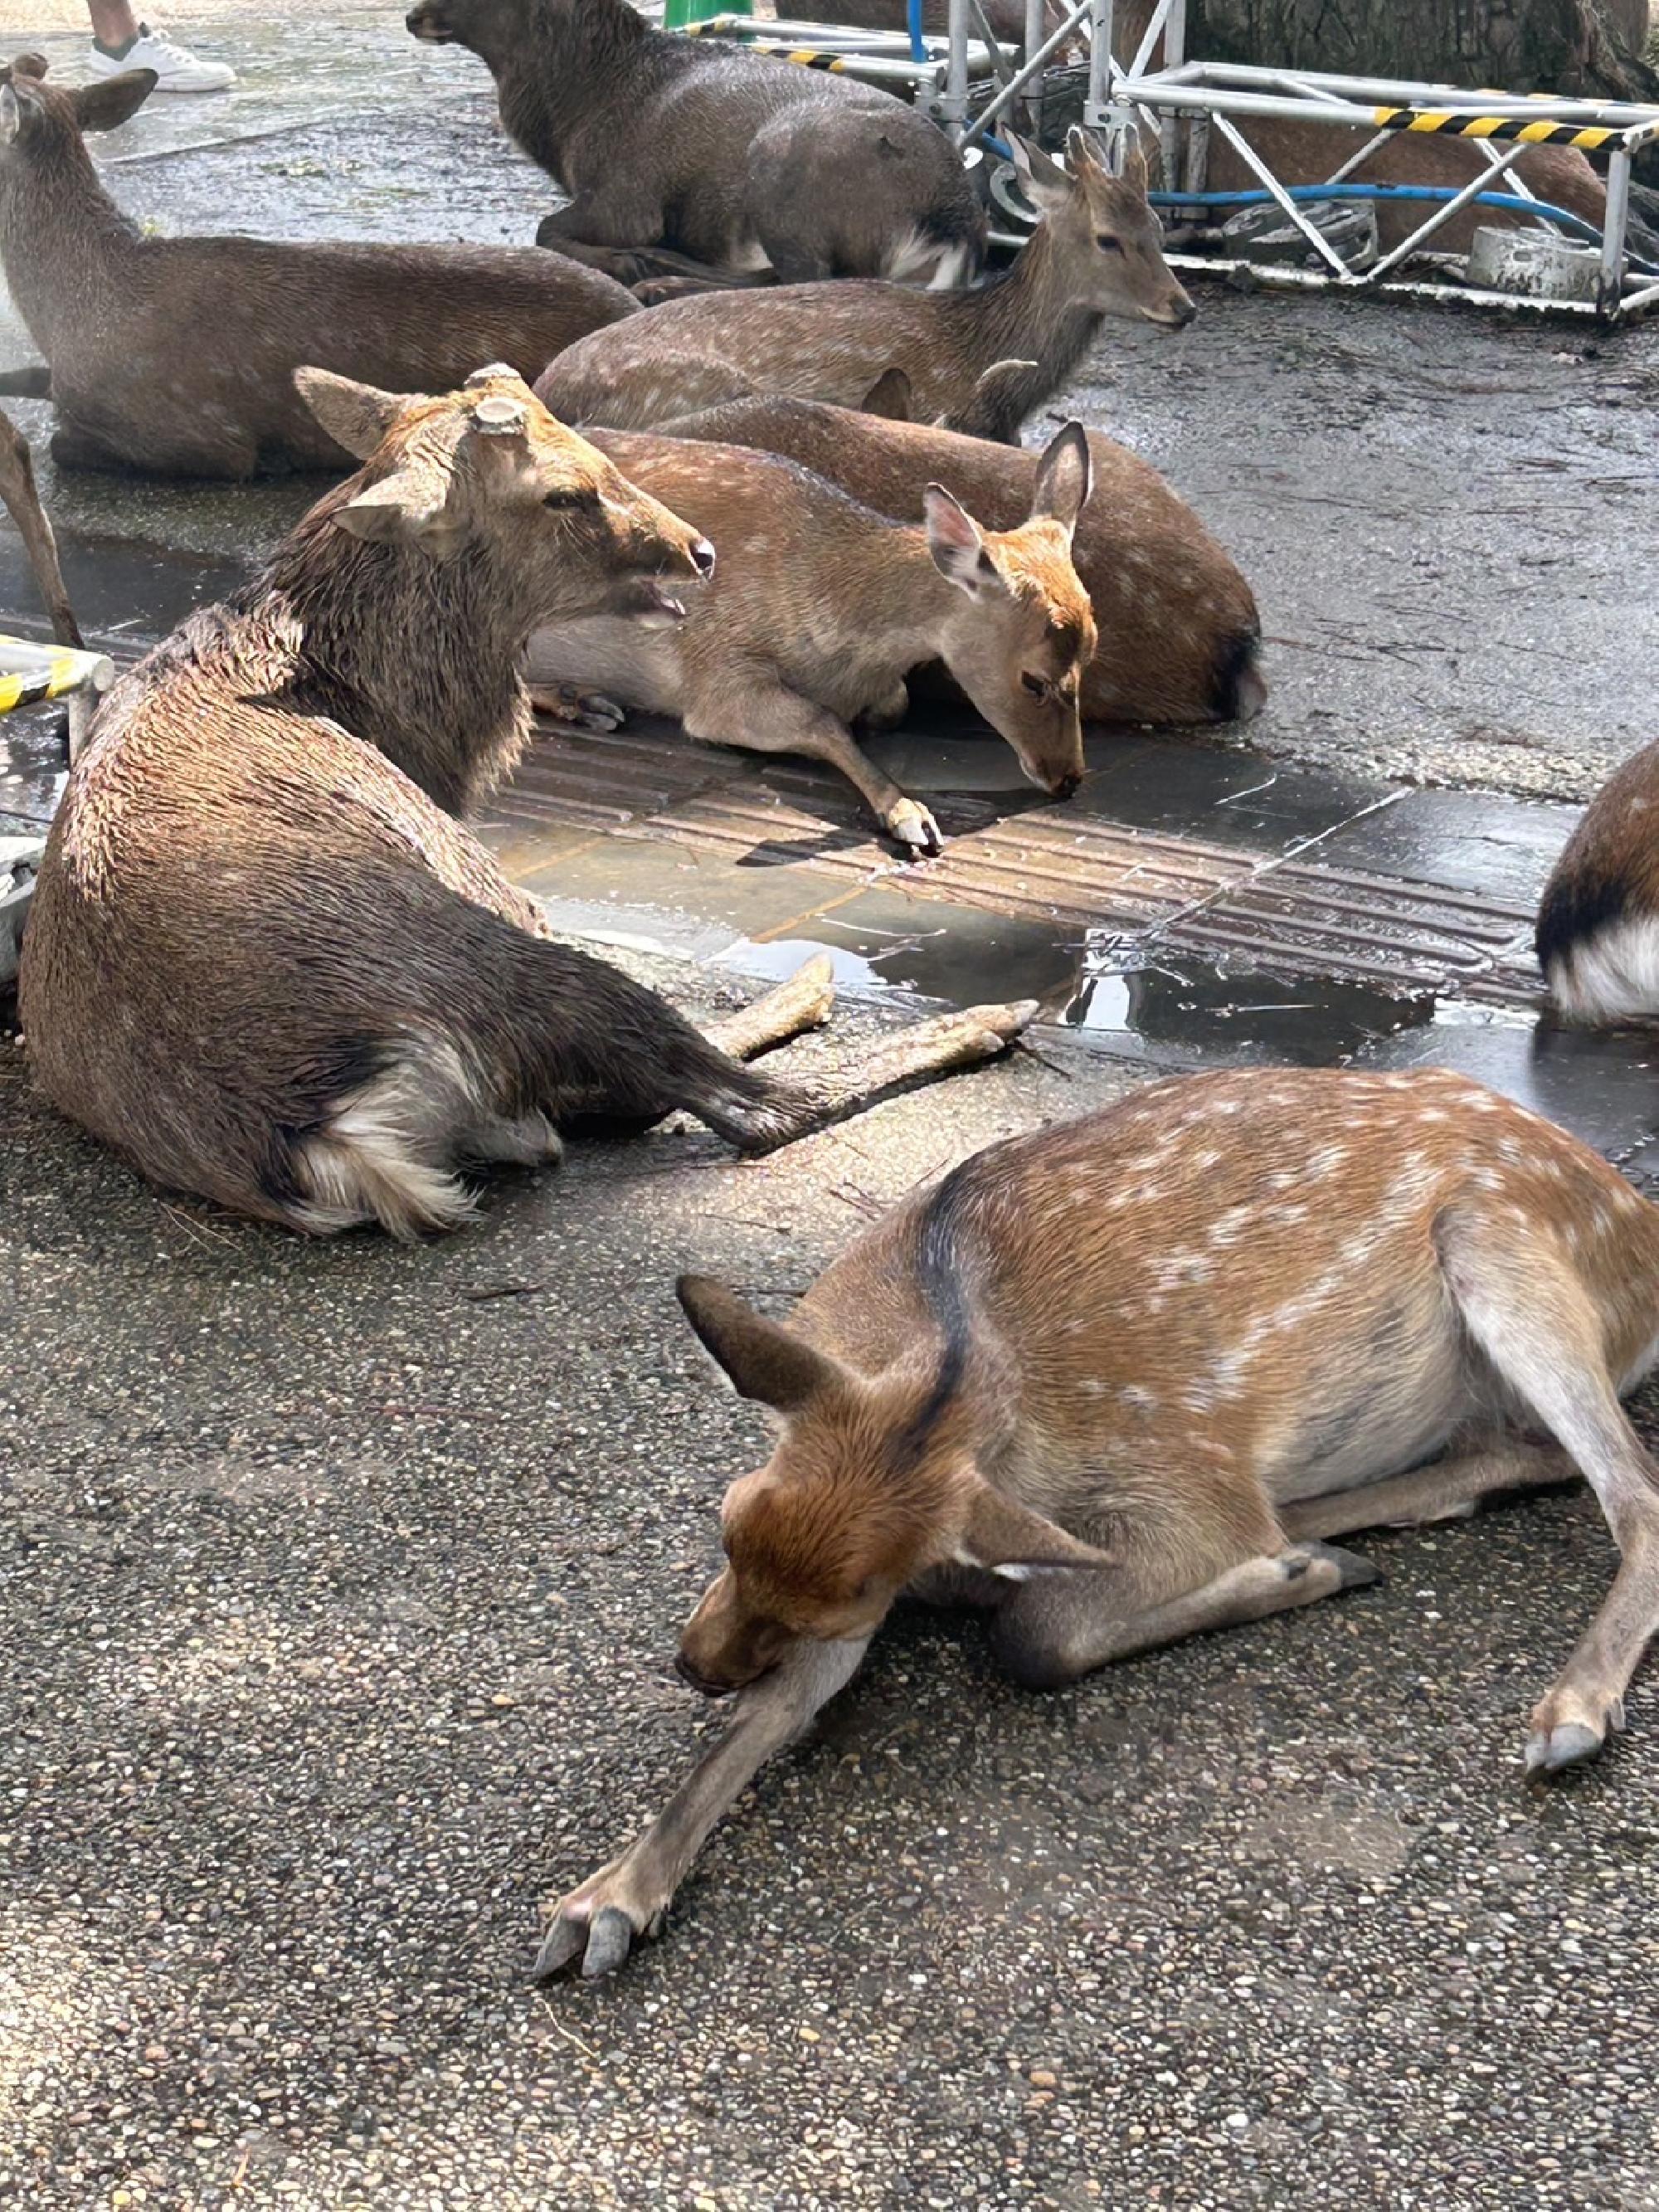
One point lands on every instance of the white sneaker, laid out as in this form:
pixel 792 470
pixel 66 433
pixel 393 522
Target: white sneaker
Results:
pixel 177 70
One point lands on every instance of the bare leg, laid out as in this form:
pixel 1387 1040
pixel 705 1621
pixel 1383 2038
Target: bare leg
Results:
pixel 1523 1303
pixel 1063 1625
pixel 802 1003
pixel 629 1897
pixel 1448 1490
pixel 114 23
pixel 770 719
pixel 22 500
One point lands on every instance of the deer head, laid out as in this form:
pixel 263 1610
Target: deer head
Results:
pixel 873 1481
pixel 489 472
pixel 1104 232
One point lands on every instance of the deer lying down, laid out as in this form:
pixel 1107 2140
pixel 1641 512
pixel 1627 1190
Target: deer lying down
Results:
pixel 694 157
pixel 264 964
pixel 1598 923
pixel 820 608
pixel 1121 1381
pixel 177 355
pixel 1177 636
pixel 23 503
pixel 1096 253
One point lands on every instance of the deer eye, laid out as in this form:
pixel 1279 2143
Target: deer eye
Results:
pixel 1036 685
pixel 1107 243
pixel 565 503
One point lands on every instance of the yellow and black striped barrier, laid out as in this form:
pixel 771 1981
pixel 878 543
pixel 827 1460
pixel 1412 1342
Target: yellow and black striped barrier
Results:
pixel 723 27
pixel 1491 126
pixel 44 674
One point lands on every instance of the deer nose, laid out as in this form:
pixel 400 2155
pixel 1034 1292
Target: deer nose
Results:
pixel 687 1674
pixel 1064 786
pixel 702 557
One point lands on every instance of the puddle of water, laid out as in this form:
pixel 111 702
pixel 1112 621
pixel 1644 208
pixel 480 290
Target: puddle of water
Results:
pixel 33 762
pixel 1188 1009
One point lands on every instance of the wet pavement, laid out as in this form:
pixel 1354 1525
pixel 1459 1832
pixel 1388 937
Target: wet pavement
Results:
pixel 339 1584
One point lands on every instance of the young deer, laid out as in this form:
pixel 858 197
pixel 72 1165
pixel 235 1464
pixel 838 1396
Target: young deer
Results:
pixel 687 158
pixel 264 962
pixel 1120 1382
pixel 177 355
pixel 22 502
pixel 1177 636
pixel 1096 253
pixel 1598 924
pixel 820 608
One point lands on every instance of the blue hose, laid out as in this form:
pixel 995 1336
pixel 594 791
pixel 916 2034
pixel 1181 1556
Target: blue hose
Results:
pixel 918 44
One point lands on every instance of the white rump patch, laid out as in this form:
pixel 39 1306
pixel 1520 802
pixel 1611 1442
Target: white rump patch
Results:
pixel 1612 976
pixel 386 1155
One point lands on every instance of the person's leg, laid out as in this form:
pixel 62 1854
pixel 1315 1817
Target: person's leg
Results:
pixel 120 41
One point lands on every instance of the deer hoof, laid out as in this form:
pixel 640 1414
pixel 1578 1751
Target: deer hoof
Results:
pixel 913 828
pixel 1548 1750
pixel 573 709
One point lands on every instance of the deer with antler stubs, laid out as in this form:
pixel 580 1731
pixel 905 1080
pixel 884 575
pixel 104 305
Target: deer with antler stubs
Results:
pixel 1123 1381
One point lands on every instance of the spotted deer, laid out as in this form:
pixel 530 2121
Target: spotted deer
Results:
pixel 1177 637
pixel 1097 252
pixel 1123 1380
pixel 820 608
pixel 1598 922
pixel 266 964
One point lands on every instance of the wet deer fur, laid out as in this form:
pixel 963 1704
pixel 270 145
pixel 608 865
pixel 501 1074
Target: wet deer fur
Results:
pixel 820 607
pixel 263 961
pixel 1096 253
pixel 721 160
pixel 1177 635
pixel 1121 1380
pixel 176 354
pixel 1598 922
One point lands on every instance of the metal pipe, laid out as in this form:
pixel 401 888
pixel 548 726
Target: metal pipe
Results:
pixel 1161 92
pixel 1031 62
pixel 1615 224
pixel 1097 99
pixel 1001 67
pixel 1011 91
pixel 952 102
pixel 1315 237
pixel 1393 92
pixel 1479 183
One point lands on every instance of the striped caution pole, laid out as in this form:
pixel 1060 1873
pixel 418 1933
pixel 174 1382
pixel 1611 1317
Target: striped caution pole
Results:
pixel 28 675
pixel 1455 125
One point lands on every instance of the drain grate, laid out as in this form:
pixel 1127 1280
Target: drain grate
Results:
pixel 1080 870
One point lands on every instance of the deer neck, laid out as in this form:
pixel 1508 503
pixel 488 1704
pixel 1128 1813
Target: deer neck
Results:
pixel 556 81
pixel 60 232
pixel 1033 314
pixel 904 604
pixel 419 657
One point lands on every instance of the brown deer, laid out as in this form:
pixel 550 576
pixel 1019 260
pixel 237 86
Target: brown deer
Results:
pixel 820 608
pixel 684 157
pixel 265 963
pixel 1096 253
pixel 1121 1381
pixel 1598 923
pixel 1177 636
pixel 23 503
pixel 177 355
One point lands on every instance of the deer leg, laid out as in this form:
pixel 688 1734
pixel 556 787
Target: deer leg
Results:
pixel 574 708
pixel 887 712
pixel 22 502
pixel 1060 1626
pixel 1526 1307
pixel 630 1897
pixel 1450 1489
pixel 801 1003
pixel 771 719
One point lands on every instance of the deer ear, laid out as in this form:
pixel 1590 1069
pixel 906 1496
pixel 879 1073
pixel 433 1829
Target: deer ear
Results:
pixel 355 415
pixel 1064 478
pixel 1043 182
pixel 954 541
pixel 401 510
pixel 890 395
pixel 761 1360
pixel 1132 164
pixel 108 102
pixel 1014 1540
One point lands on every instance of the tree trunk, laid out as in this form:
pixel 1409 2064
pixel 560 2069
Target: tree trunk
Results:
pixel 1586 48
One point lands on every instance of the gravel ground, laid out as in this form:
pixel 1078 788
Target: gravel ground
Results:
pixel 340 1585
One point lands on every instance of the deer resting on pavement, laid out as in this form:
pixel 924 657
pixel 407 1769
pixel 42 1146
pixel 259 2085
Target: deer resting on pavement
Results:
pixel 1123 1379
pixel 1097 252
pixel 820 608
pixel 1177 637
pixel 690 158
pixel 265 964
pixel 177 355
